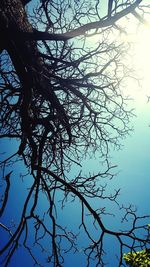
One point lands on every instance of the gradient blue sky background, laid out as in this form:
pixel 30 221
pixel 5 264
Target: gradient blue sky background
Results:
pixel 133 162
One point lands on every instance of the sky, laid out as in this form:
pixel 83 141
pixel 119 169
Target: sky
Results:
pixel 133 160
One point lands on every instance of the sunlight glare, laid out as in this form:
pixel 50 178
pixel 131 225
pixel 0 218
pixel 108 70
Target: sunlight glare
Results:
pixel 140 61
pixel 139 38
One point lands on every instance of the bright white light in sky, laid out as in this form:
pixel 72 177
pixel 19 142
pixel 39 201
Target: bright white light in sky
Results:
pixel 142 51
pixel 140 37
pixel 133 159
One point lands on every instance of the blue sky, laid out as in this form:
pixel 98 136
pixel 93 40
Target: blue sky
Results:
pixel 133 179
pixel 133 169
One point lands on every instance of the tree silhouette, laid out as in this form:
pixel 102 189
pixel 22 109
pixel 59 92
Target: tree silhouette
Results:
pixel 61 101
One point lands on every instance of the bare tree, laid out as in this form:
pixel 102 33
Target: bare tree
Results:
pixel 61 101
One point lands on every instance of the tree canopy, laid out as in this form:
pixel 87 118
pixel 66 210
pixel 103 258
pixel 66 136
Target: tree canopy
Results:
pixel 61 101
pixel 138 259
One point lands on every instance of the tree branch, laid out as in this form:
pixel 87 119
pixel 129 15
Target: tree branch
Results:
pixel 39 35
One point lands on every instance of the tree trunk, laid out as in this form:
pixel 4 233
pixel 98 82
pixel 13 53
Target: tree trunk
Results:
pixel 23 53
pixel 29 66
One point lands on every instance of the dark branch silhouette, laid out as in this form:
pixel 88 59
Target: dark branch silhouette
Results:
pixel 61 101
